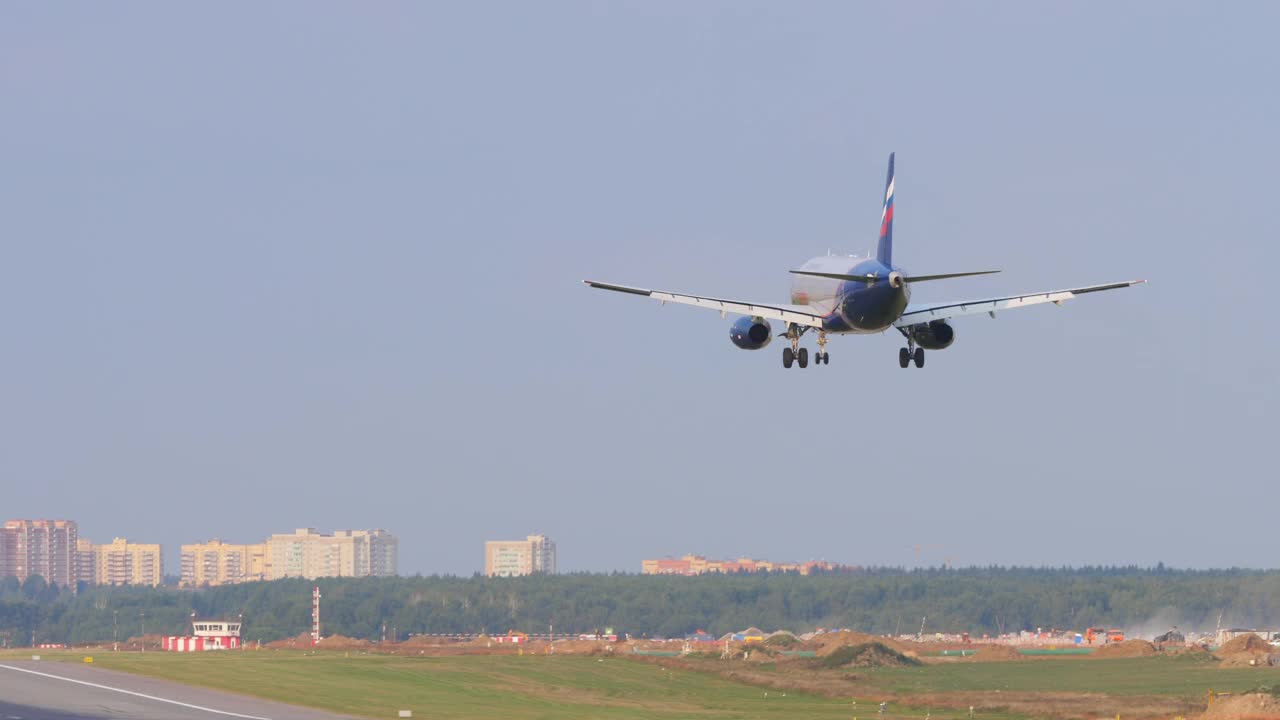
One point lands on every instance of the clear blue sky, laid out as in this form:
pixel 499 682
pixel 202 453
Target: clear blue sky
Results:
pixel 265 266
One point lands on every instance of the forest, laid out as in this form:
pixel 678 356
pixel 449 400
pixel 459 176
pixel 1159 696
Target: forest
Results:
pixel 975 600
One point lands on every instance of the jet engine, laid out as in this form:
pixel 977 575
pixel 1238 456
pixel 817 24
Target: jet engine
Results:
pixel 750 333
pixel 934 335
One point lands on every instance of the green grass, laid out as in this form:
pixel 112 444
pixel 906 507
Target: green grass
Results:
pixel 533 687
pixel 529 687
pixel 1167 676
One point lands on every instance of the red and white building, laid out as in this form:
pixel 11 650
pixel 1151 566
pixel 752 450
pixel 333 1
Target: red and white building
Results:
pixel 207 635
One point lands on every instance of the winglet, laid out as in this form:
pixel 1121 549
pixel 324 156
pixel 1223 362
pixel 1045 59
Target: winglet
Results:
pixel 618 288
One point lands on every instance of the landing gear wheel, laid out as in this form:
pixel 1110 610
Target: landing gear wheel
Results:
pixel 788 357
pixel 803 357
pixel 904 357
pixel 919 357
pixel 822 358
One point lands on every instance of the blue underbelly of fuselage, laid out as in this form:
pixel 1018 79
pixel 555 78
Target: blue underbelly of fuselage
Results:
pixel 866 308
pixel 850 306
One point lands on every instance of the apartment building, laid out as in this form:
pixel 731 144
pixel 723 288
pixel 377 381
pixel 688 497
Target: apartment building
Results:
pixel 47 548
pixel 699 565
pixel 218 563
pixel 510 558
pixel 384 553
pixel 346 553
pixel 120 563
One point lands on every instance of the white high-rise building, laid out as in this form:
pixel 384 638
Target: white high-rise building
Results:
pixel 346 553
pixel 509 558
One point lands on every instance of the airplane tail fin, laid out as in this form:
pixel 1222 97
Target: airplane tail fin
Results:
pixel 884 250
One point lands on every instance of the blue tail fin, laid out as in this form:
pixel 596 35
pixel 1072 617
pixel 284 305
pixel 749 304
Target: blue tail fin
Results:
pixel 884 250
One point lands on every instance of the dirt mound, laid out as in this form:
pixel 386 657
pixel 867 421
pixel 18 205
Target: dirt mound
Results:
pixel 782 639
pixel 137 642
pixel 997 653
pixel 1244 651
pixel 427 641
pixel 827 643
pixel 870 654
pixel 1253 706
pixel 1126 649
pixel 1244 643
pixel 302 640
pixel 579 647
pixel 342 642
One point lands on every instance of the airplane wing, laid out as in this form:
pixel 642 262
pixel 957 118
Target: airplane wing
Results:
pixel 918 313
pixel 798 314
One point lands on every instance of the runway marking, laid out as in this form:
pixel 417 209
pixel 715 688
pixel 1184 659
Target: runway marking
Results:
pixel 136 694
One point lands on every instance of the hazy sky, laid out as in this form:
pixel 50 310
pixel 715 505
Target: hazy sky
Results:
pixel 276 265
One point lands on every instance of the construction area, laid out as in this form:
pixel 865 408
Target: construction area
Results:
pixel 1231 674
pixel 838 674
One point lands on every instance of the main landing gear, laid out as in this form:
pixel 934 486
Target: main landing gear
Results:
pixel 907 354
pixel 800 356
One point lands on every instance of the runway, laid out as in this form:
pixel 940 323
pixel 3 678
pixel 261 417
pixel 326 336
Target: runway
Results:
pixel 32 690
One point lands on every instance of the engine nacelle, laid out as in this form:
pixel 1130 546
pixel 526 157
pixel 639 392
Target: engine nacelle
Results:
pixel 750 333
pixel 934 335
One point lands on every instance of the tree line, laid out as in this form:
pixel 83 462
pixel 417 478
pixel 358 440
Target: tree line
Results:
pixel 883 601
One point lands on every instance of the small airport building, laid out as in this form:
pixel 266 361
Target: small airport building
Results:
pixel 207 635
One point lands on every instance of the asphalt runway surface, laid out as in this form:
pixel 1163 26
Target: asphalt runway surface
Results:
pixel 31 690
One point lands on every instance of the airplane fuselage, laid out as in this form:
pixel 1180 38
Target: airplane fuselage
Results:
pixel 847 306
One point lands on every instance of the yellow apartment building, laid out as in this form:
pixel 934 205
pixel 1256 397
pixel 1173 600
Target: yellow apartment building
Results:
pixel 218 563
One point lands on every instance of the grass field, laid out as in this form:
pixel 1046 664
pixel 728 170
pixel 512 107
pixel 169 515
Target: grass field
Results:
pixel 1167 676
pixel 376 686
pixel 535 686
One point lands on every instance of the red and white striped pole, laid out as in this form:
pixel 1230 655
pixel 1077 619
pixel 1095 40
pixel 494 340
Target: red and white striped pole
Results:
pixel 315 616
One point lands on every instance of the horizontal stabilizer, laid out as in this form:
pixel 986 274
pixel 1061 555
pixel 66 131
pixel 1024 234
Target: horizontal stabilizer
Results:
pixel 871 278
pixel 944 276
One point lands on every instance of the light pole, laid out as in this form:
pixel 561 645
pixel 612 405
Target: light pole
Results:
pixel 143 615
pixel 115 631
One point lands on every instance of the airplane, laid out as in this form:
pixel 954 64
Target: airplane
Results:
pixel 839 295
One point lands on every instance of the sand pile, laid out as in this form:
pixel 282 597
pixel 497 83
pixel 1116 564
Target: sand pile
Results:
pixel 1244 643
pixel 759 652
pixel 1126 649
pixel 342 642
pixel 302 640
pixel 150 640
pixel 827 643
pixel 1254 706
pixel 1245 651
pixel 782 639
pixel 997 653
pixel 869 654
